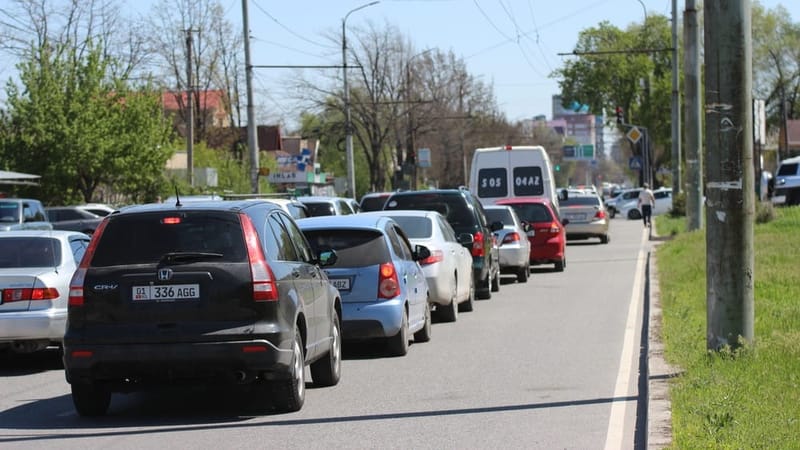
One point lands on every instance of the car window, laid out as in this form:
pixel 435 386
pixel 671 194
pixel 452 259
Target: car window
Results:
pixel 321 209
pixel 9 212
pixel 78 247
pixel 453 207
pixel 415 227
pixel 447 230
pixel 580 201
pixel 354 248
pixel 303 250
pixel 661 194
pixel 788 170
pixel 146 238
pixel 499 215
pixel 532 212
pixel 24 252
pixel 374 203
pixel 286 249
pixel 344 207
pixel 32 213
pixel 400 246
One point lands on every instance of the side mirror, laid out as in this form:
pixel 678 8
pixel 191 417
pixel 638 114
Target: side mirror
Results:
pixel 526 226
pixel 496 226
pixel 421 252
pixel 327 258
pixel 465 239
pixel 564 195
pixel 565 222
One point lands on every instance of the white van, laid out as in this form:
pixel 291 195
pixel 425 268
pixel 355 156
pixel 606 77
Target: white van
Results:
pixel 512 171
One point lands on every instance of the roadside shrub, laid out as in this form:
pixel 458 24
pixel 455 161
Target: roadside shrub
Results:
pixel 765 212
pixel 678 205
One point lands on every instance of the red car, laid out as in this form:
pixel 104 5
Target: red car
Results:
pixel 547 235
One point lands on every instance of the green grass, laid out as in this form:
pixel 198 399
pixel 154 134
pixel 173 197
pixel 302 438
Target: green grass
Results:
pixel 750 398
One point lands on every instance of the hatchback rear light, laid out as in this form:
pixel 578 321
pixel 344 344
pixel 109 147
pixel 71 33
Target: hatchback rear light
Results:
pixel 25 294
pixel 511 238
pixel 555 228
pixel 76 283
pixel 264 287
pixel 477 244
pixel 436 256
pixel 600 214
pixel 388 284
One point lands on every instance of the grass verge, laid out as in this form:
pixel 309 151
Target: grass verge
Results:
pixel 750 398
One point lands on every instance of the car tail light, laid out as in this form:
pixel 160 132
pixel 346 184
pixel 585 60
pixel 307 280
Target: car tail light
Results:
pixel 436 256
pixel 555 228
pixel 264 287
pixel 24 294
pixel 76 283
pixel 511 238
pixel 477 244
pixel 600 214
pixel 388 284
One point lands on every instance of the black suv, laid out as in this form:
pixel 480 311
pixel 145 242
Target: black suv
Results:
pixel 219 291
pixel 466 215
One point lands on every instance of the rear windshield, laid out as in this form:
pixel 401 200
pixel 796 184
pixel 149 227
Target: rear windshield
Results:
pixel 354 248
pixel 9 212
pixel 787 170
pixel 452 206
pixel 20 252
pixel 499 215
pixel 146 238
pixel 320 209
pixel 532 212
pixel 374 203
pixel 415 227
pixel 580 201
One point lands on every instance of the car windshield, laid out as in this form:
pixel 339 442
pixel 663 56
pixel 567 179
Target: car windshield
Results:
pixel 787 170
pixel 354 248
pixel 415 227
pixel 24 252
pixel 499 215
pixel 374 203
pixel 147 238
pixel 532 212
pixel 9 212
pixel 320 209
pixel 452 207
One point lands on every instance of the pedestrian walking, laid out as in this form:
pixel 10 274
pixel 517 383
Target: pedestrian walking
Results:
pixel 646 203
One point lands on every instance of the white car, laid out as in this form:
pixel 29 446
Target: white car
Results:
pixel 515 248
pixel 35 271
pixel 448 270
pixel 663 197
pixel 615 203
pixel 100 209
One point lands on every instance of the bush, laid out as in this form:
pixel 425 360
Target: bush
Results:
pixel 765 212
pixel 678 205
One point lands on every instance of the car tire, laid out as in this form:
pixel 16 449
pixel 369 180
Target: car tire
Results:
pixel 524 272
pixel 90 400
pixel 449 312
pixel 469 304
pixel 496 282
pixel 612 212
pixel 289 395
pixel 604 239
pixel 560 265
pixel 485 291
pixel 327 370
pixel 424 333
pixel 398 344
pixel 634 214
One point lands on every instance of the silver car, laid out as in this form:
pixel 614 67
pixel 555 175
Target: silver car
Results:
pixel 587 217
pixel 515 248
pixel 35 269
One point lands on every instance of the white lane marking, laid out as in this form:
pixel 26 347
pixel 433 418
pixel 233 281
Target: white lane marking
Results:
pixel 616 421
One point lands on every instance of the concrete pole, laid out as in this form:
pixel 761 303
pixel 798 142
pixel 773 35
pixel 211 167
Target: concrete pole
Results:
pixel 252 142
pixel 730 197
pixel 694 118
pixel 677 182
pixel 189 111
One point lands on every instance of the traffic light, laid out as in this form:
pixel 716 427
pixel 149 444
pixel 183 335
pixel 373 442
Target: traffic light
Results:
pixel 558 168
pixel 620 115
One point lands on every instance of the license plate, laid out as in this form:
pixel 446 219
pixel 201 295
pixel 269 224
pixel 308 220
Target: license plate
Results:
pixel 342 284
pixel 166 293
pixel 576 216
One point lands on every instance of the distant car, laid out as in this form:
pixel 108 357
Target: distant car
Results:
pixel 465 214
pixel 193 198
pixel 374 201
pixel 354 205
pixel 35 270
pixel 287 202
pixel 587 217
pixel 449 268
pixel 23 214
pixel 99 209
pixel 515 248
pixel 787 182
pixel 383 288
pixel 327 206
pixel 663 205
pixel 72 218
pixel 205 292
pixel 547 235
pixel 614 204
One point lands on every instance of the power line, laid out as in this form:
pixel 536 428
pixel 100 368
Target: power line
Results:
pixel 289 30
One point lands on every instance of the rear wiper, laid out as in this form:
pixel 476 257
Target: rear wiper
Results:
pixel 188 256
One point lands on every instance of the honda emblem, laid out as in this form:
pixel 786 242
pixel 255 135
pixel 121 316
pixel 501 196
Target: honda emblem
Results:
pixel 164 274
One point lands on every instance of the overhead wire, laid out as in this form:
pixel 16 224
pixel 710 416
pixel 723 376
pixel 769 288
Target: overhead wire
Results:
pixel 289 30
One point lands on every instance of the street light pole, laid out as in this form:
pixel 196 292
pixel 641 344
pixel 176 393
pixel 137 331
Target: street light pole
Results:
pixel 348 126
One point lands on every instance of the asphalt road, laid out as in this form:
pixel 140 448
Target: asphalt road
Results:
pixel 551 363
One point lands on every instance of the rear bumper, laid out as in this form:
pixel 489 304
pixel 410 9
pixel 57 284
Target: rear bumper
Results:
pixel 513 256
pixel 371 320
pixel 549 252
pixel 587 230
pixel 33 325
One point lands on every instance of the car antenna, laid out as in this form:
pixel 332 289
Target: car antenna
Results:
pixel 177 197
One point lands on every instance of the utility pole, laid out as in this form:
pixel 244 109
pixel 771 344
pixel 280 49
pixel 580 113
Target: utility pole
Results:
pixel 694 119
pixel 677 182
pixel 189 110
pixel 730 204
pixel 252 142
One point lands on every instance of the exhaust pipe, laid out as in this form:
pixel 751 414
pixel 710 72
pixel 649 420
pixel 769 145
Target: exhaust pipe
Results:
pixel 240 376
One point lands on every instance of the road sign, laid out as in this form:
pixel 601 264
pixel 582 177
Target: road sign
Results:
pixel 634 134
pixel 424 157
pixel 635 163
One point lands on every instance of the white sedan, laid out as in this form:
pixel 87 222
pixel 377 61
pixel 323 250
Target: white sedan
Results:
pixel 663 198
pixel 35 271
pixel 448 270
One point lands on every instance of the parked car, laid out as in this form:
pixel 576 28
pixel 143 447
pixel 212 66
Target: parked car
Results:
pixel 327 206
pixel 614 204
pixel 23 214
pixel 515 248
pixel 35 270
pixel 587 216
pixel 286 201
pixel 547 235
pixel 208 292
pixel 663 205
pixel 383 288
pixel 72 218
pixel 99 209
pixel 787 182
pixel 374 201
pixel 466 215
pixel 448 270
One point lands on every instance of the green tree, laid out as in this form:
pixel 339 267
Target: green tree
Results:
pixel 81 129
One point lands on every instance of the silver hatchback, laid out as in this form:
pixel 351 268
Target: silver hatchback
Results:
pixel 515 247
